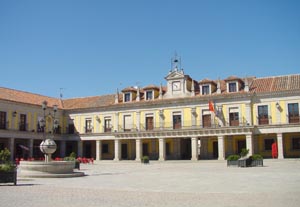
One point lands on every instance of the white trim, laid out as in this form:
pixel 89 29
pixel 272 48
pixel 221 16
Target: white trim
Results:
pixel 237 86
pixel 130 97
pixel 177 112
pixel 209 88
pixel 146 97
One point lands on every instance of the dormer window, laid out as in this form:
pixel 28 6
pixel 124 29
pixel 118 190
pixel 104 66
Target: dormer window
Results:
pixel 127 97
pixel 207 86
pixel 130 94
pixel 234 84
pixel 205 89
pixel 232 87
pixel 149 95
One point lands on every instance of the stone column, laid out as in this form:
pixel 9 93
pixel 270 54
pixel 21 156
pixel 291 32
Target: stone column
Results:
pixel 117 150
pixel 138 148
pixel 280 146
pixel 249 144
pixel 221 148
pixel 194 145
pixel 79 146
pixel 30 144
pixel 98 150
pixel 162 149
pixel 62 148
pixel 11 147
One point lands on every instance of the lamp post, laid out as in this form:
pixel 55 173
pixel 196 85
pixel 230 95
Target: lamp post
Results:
pixel 48 146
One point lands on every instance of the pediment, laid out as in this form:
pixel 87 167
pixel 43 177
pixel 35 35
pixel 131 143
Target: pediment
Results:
pixel 175 75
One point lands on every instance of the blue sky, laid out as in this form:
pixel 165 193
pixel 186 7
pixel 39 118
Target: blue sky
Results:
pixel 93 47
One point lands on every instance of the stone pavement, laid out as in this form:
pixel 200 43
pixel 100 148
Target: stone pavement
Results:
pixel 170 183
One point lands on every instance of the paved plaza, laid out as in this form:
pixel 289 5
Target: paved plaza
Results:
pixel 170 183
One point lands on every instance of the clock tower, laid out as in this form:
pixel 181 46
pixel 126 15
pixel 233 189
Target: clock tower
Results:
pixel 178 84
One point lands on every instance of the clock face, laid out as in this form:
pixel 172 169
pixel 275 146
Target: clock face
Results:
pixel 176 86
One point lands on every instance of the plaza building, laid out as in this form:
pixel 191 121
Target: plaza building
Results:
pixel 184 119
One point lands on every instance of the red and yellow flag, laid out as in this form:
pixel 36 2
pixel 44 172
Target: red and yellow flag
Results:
pixel 211 106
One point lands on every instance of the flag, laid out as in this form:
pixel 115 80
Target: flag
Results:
pixel 211 106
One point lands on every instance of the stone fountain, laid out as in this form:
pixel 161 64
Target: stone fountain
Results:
pixel 48 168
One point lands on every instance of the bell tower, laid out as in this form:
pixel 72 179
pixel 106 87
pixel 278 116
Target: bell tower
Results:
pixel 177 81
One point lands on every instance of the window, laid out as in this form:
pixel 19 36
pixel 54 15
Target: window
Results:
pixel 22 124
pixel 296 143
pixel 234 119
pixel 205 90
pixel 2 120
pixel 263 117
pixel 149 95
pixel 268 144
pixel 149 123
pixel 105 148
pixel 127 123
pixel 176 121
pixel 88 126
pixel 293 110
pixel 107 125
pixel 126 97
pixel 206 120
pixel 232 87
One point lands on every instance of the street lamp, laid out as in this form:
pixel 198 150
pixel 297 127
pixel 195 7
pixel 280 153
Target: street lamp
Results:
pixel 48 146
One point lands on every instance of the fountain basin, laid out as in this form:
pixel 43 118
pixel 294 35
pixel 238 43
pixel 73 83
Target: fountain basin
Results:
pixel 48 169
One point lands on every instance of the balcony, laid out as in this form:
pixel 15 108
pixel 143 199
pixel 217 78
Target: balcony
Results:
pixel 293 119
pixel 264 120
pixel 107 129
pixel 23 126
pixel 88 130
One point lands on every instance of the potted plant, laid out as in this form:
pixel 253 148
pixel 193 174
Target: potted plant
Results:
pixel 72 157
pixel 232 160
pixel 244 161
pixel 8 172
pixel 145 160
pixel 257 160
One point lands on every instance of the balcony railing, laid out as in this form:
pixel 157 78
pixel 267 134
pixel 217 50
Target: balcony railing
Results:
pixel 264 120
pixel 88 130
pixel 185 125
pixel 292 119
pixel 23 126
pixel 107 129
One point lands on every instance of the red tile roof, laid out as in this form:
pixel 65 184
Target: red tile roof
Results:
pixel 89 102
pixel 267 84
pixel 28 98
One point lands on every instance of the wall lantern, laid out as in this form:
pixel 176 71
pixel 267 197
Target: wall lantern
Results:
pixel 98 119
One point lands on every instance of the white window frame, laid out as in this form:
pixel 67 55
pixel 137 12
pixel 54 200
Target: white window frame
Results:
pixel 152 93
pixel 236 84
pixel 123 120
pixel 130 97
pixel 209 89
